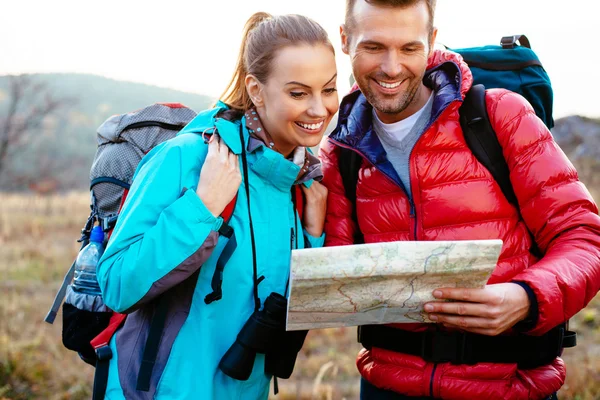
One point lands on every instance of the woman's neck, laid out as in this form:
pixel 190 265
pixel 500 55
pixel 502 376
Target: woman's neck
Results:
pixel 255 125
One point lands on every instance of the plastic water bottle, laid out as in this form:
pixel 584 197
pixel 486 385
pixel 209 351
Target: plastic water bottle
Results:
pixel 85 266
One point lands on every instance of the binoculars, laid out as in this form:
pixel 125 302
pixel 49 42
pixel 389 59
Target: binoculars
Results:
pixel 264 333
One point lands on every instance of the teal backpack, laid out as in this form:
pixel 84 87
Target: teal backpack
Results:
pixel 513 67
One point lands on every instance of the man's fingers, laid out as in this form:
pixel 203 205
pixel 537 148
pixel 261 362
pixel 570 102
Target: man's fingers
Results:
pixel 462 322
pixel 462 294
pixel 459 308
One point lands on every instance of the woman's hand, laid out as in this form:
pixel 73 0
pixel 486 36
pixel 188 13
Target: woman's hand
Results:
pixel 488 311
pixel 220 176
pixel 315 208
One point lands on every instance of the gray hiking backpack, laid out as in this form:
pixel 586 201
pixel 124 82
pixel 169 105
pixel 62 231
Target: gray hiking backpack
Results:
pixel 123 140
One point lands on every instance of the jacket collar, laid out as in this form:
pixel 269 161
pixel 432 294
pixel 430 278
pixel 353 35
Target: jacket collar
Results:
pixel 270 165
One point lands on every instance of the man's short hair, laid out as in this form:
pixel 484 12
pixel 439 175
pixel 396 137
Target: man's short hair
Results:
pixel 349 21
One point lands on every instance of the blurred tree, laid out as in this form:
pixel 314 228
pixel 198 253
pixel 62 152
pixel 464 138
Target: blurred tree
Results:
pixel 29 103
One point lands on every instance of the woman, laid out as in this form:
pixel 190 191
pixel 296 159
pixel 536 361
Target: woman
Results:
pixel 163 255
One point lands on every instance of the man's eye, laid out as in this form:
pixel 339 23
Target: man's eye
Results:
pixel 297 95
pixel 371 48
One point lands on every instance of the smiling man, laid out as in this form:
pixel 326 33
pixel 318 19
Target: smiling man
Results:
pixel 418 180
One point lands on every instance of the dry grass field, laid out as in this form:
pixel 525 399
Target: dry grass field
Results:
pixel 37 244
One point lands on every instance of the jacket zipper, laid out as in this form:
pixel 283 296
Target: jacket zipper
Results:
pixel 413 218
pixel 413 212
pixel 292 237
pixel 431 381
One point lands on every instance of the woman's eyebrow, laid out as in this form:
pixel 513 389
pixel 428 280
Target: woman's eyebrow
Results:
pixel 307 86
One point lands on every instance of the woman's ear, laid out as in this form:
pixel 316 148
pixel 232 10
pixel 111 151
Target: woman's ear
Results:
pixel 254 89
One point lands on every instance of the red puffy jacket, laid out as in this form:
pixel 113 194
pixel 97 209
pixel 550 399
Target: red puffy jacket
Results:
pixel 456 198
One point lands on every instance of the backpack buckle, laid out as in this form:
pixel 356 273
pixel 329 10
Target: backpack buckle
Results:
pixel 103 353
pixel 108 222
pixel 205 133
pixel 510 42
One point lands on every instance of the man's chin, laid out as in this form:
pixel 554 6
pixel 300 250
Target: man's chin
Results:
pixel 387 107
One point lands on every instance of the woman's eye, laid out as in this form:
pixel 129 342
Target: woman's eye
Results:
pixel 297 95
pixel 330 90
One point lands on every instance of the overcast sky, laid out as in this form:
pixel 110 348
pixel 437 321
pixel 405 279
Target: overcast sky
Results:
pixel 192 45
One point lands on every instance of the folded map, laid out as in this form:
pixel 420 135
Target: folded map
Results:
pixel 381 283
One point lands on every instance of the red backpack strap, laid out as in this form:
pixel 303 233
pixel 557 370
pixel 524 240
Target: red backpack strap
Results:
pixel 104 355
pixel 104 337
pixel 172 105
pixel 299 200
pixel 228 211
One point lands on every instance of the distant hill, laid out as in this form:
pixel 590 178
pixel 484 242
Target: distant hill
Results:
pixel 70 135
pixel 68 141
pixel 579 137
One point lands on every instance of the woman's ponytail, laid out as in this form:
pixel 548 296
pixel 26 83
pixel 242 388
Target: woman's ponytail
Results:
pixel 235 95
pixel 264 35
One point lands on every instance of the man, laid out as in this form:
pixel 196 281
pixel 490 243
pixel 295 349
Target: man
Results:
pixel 419 181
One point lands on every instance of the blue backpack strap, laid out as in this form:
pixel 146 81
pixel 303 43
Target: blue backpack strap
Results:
pixel 482 140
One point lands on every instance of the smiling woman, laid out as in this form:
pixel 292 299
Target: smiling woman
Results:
pixel 171 246
pixel 288 73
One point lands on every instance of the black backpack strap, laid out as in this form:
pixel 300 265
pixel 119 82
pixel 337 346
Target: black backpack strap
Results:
pixel 157 326
pixel 217 279
pixel 482 140
pixel 349 163
pixel 103 357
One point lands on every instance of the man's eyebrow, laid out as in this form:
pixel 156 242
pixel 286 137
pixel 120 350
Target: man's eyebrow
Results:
pixel 414 43
pixel 376 43
pixel 307 86
pixel 367 42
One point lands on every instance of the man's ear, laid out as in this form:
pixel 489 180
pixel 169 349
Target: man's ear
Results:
pixel 345 38
pixel 254 89
pixel 432 41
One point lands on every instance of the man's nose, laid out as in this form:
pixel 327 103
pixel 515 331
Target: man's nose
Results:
pixel 391 65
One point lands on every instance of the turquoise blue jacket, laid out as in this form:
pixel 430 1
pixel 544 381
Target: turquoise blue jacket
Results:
pixel 166 240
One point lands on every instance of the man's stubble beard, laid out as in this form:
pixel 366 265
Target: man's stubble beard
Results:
pixel 382 103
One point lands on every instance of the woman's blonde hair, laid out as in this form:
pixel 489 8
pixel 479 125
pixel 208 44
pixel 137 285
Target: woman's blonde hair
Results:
pixel 263 36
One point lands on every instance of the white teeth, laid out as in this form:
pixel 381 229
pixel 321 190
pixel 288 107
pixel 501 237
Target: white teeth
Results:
pixel 390 85
pixel 312 127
